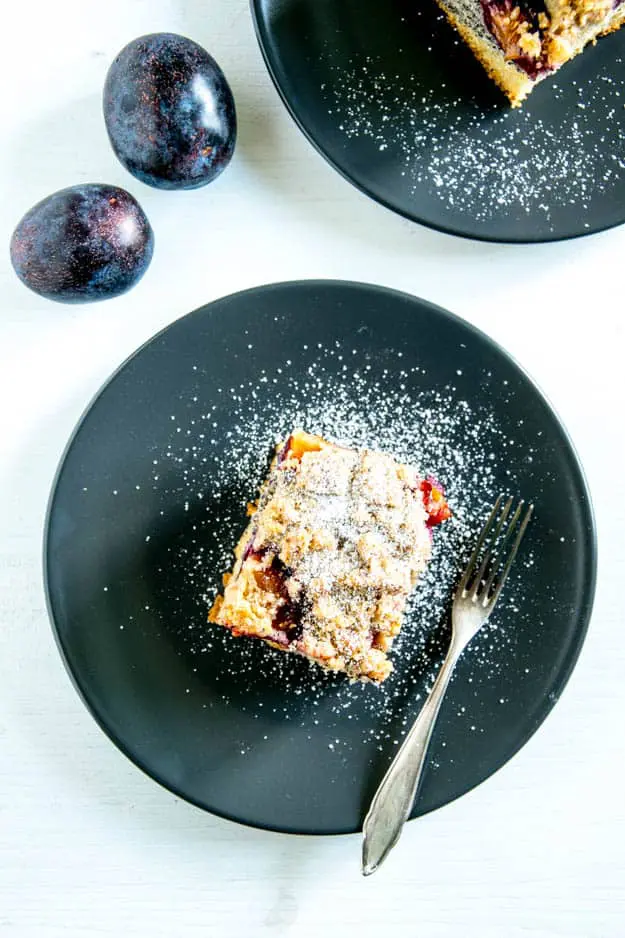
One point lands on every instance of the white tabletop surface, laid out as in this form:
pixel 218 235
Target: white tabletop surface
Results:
pixel 88 844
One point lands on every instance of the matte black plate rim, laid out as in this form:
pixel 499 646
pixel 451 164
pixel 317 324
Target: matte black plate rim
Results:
pixel 590 572
pixel 261 36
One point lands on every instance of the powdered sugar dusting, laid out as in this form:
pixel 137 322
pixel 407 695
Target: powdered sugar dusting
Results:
pixel 481 162
pixel 336 396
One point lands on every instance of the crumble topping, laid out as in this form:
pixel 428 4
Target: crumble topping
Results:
pixel 513 31
pixel 578 14
pixel 332 552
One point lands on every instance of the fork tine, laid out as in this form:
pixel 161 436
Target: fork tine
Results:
pixel 487 556
pixel 510 560
pixel 510 531
pixel 462 585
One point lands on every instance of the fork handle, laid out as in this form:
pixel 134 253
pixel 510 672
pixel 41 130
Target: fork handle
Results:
pixel 394 798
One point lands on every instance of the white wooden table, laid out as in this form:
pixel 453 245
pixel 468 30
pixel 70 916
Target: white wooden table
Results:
pixel 88 845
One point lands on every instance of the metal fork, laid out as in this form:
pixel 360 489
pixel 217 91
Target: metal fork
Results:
pixel 474 600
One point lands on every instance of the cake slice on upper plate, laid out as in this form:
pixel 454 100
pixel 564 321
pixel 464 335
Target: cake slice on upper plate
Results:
pixel 520 42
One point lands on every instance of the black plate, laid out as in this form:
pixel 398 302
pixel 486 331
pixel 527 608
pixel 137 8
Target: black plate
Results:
pixel 150 498
pixel 397 104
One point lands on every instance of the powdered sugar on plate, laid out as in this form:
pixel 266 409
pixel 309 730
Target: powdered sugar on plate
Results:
pixel 337 396
pixel 486 162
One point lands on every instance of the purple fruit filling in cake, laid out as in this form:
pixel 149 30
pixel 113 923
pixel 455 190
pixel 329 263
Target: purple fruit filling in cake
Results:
pixel 516 28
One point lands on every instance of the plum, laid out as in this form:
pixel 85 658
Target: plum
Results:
pixel 84 243
pixel 169 112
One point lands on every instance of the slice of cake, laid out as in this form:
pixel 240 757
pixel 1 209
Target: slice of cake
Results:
pixel 332 551
pixel 520 42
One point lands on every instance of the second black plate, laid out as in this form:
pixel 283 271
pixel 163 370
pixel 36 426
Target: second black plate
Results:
pixel 397 104
pixel 150 500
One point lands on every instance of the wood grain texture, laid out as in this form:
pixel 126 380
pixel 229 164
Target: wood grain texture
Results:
pixel 88 845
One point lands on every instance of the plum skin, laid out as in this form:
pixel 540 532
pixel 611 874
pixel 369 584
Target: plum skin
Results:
pixel 169 112
pixel 84 243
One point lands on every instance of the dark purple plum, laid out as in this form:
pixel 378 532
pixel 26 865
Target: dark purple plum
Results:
pixel 84 243
pixel 169 112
